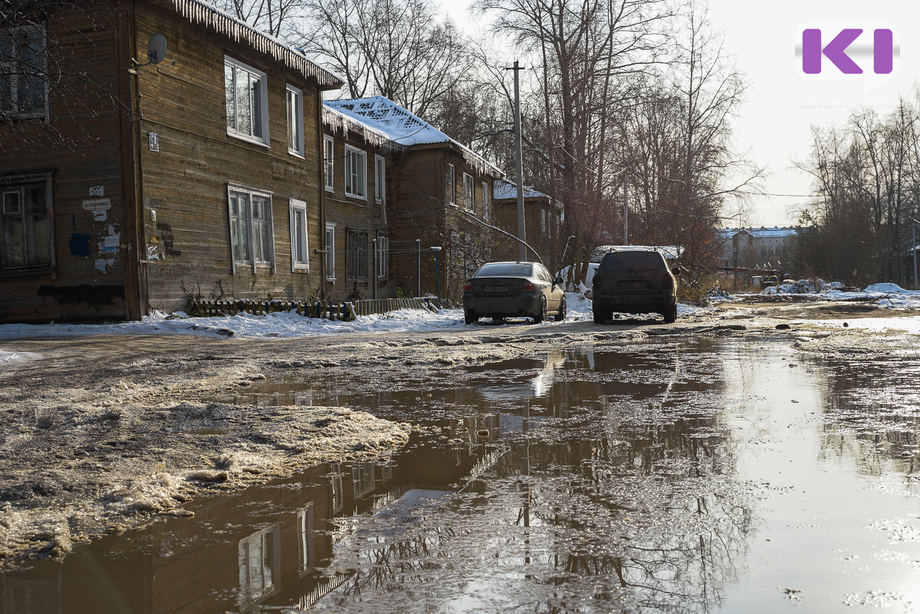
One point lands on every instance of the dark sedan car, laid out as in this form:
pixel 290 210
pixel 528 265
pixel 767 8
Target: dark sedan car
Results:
pixel 634 280
pixel 513 289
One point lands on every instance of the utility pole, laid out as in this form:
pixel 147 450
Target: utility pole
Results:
pixel 625 213
pixel 519 150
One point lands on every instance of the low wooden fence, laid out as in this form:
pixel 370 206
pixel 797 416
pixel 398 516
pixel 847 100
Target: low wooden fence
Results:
pixel 331 310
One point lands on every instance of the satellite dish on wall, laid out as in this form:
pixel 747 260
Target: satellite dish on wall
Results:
pixel 156 49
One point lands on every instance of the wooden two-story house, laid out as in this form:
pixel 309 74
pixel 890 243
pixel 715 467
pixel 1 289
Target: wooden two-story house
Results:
pixel 357 161
pixel 184 159
pixel 438 194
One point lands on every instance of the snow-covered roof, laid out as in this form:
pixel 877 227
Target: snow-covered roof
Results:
pixel 507 190
pixel 400 126
pixel 338 121
pixel 775 232
pixel 203 13
pixel 671 252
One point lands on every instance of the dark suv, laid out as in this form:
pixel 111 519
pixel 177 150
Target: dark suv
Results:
pixel 634 280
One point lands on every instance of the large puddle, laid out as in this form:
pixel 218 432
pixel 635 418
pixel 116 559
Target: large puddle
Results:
pixel 692 476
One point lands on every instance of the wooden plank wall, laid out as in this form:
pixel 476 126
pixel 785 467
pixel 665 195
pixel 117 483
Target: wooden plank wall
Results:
pixel 83 112
pixel 185 182
pixel 349 213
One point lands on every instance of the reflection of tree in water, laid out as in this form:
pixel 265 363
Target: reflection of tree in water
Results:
pixel 871 415
pixel 591 513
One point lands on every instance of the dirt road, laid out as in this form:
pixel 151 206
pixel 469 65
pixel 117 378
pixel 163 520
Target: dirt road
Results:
pixel 101 434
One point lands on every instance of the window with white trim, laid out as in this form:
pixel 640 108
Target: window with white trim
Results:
pixel 485 200
pixel 356 255
pixel 328 161
pixel 330 251
pixel 380 179
pixel 300 242
pixel 306 554
pixel 247 101
pixel 294 99
pixel 450 188
pixel 23 71
pixel 251 236
pixel 355 172
pixel 383 252
pixel 468 198
pixel 26 225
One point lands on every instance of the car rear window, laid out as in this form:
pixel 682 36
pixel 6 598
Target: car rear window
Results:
pixel 638 261
pixel 511 269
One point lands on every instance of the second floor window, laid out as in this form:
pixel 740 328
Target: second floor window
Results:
pixel 23 86
pixel 485 200
pixel 450 187
pixel 247 104
pixel 328 161
pixel 355 172
pixel 294 120
pixel 467 192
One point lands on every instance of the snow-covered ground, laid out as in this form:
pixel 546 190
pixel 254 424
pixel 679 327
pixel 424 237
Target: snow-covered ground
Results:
pixel 282 325
pixel 287 325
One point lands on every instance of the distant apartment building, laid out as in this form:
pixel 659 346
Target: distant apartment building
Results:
pixel 756 249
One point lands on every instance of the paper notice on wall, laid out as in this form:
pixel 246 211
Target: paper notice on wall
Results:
pixel 100 265
pixel 100 216
pixel 111 242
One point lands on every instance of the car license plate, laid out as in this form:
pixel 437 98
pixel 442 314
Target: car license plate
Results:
pixel 632 285
pixel 496 289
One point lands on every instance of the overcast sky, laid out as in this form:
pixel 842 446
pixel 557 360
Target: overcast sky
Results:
pixel 774 122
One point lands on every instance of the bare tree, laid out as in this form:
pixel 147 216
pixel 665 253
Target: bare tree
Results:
pixel 270 16
pixel 394 48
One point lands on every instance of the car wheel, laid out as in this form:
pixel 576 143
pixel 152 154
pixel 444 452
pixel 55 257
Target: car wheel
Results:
pixel 470 318
pixel 560 315
pixel 599 316
pixel 670 316
pixel 542 313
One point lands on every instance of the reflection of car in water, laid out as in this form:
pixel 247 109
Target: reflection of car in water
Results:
pixel 516 386
pixel 513 289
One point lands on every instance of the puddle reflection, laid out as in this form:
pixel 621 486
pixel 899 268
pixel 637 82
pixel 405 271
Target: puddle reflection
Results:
pixel 670 477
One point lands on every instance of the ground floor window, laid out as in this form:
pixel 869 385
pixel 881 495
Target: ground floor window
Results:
pixel 300 253
pixel 251 236
pixel 356 255
pixel 27 224
pixel 383 252
pixel 330 252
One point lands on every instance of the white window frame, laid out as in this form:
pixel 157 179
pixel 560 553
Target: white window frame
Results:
pixel 251 222
pixel 237 70
pixel 469 192
pixel 451 187
pixel 294 103
pixel 15 73
pixel 259 557
pixel 383 253
pixel 485 200
pixel 355 172
pixel 299 234
pixel 380 179
pixel 330 251
pixel 328 162
pixel 8 215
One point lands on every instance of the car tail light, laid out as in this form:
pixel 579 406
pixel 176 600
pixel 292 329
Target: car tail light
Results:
pixel 668 281
pixel 468 287
pixel 527 288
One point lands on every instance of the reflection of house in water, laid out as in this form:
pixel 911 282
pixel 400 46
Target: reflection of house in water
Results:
pixel 32 595
pixel 265 546
pixel 259 558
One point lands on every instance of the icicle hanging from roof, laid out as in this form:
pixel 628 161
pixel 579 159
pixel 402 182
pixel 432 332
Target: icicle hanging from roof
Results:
pixel 198 12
